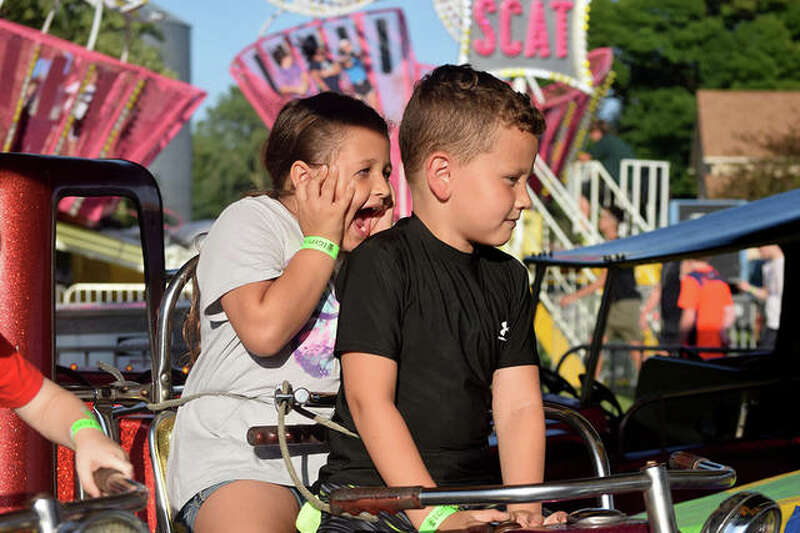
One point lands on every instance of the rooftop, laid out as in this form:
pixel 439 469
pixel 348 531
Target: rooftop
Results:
pixel 728 121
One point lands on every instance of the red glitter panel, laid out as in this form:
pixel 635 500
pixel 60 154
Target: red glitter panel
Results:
pixel 134 439
pixel 65 474
pixel 26 463
pixel 60 98
pixel 133 432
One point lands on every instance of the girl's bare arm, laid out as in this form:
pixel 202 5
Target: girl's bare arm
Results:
pixel 266 314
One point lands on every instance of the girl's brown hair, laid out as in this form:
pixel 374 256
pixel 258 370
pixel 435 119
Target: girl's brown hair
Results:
pixel 309 130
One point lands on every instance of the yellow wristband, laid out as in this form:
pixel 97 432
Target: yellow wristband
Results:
pixel 322 244
pixel 435 518
pixel 83 423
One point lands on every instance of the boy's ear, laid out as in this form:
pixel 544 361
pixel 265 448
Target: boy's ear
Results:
pixel 439 175
pixel 298 172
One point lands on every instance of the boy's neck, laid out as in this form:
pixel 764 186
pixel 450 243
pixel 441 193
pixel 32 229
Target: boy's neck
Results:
pixel 438 222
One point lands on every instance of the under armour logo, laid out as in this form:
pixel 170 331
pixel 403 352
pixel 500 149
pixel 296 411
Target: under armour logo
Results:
pixel 503 330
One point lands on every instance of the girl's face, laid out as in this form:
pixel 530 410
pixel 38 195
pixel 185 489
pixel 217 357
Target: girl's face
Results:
pixel 363 158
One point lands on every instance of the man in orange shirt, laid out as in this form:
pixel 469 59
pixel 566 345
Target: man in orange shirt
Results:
pixel 706 307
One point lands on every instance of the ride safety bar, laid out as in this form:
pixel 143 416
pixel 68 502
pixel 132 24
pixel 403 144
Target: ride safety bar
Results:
pixel 45 513
pixel 696 473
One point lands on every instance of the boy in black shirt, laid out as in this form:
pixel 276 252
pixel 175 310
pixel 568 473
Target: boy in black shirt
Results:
pixel 435 331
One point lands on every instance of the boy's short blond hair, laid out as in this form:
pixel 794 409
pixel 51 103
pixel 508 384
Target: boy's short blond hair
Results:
pixel 457 109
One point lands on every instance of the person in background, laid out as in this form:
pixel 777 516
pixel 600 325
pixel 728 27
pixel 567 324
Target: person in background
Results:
pixel 59 416
pixel 291 79
pixel 624 298
pixel 608 149
pixel 770 294
pixel 353 66
pixel 665 294
pixel 706 307
pixel 321 68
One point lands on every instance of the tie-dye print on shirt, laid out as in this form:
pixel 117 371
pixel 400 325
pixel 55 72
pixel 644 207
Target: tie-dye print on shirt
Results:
pixel 312 347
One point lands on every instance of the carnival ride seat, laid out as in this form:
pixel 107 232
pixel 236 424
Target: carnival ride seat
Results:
pixel 683 402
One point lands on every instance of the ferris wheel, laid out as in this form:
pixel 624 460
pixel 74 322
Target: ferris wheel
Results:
pixel 451 13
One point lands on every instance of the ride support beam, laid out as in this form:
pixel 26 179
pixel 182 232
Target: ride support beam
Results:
pixel 27 230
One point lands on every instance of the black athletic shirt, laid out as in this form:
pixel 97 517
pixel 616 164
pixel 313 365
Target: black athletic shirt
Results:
pixel 449 319
pixel 670 290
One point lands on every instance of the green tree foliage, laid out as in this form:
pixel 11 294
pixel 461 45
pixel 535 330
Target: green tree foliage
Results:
pixel 73 22
pixel 227 147
pixel 667 49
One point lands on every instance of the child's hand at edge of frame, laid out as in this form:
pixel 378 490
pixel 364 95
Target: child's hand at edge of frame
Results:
pixel 530 518
pixel 469 520
pixel 94 450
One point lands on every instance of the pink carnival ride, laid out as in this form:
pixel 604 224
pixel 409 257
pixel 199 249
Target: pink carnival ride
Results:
pixel 58 98
pixel 377 64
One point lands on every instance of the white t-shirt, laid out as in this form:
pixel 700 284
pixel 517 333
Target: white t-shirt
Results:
pixel 772 272
pixel 252 240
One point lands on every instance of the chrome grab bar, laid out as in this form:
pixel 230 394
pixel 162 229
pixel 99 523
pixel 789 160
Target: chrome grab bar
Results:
pixel 654 480
pixel 594 444
pixel 162 371
pixel 47 513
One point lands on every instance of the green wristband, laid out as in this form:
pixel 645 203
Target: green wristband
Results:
pixel 322 244
pixel 435 518
pixel 83 423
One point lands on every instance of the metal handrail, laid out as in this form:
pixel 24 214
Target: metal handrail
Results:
pixel 658 182
pixel 46 513
pixel 162 370
pixel 580 223
pixel 654 480
pixel 598 173
pixel 672 348
pixel 590 436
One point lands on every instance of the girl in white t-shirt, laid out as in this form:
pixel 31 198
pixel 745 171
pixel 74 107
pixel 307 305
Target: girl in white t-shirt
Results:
pixel 267 310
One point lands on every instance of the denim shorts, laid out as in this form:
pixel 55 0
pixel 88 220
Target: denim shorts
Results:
pixel 188 513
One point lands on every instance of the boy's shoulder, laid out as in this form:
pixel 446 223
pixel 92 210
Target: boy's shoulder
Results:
pixel 390 242
pixel 504 261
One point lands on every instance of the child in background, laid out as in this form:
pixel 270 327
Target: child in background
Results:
pixel 321 68
pixel 267 311
pixel 291 79
pixel 354 68
pixel 59 416
pixel 436 332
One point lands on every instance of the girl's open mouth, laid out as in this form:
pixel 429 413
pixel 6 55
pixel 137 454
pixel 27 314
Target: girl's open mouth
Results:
pixel 366 218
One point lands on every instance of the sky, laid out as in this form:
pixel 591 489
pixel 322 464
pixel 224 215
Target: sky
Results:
pixel 221 29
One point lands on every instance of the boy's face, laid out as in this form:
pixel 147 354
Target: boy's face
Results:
pixel 489 192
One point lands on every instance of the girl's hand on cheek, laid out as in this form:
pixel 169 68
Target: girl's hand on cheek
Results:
pixel 322 202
